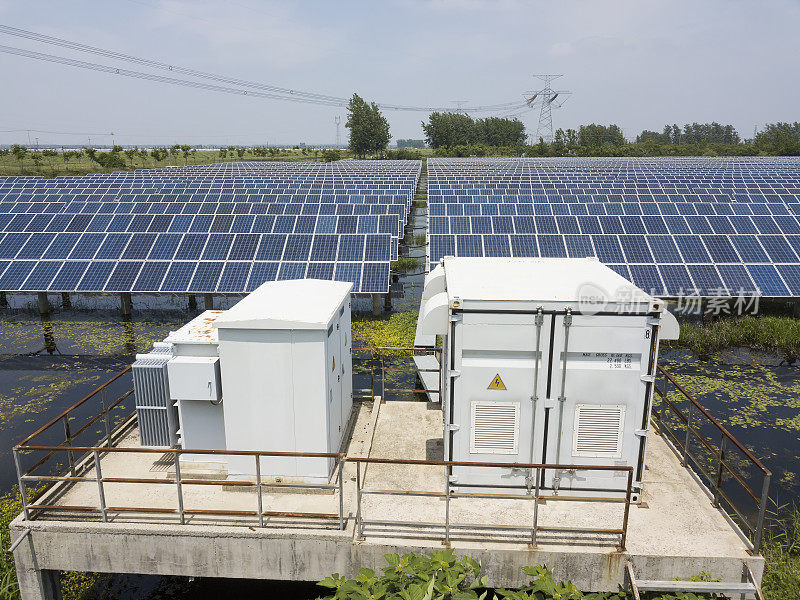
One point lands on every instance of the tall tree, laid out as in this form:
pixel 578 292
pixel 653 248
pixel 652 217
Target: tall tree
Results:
pixel 369 129
pixel 594 136
pixel 445 130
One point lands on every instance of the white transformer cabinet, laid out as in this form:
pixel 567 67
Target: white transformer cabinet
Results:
pixel 195 386
pixel 286 368
pixel 546 360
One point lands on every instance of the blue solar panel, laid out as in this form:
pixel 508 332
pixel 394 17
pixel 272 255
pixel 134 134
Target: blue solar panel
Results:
pixel 95 277
pixel 351 248
pixel 319 270
pixel 61 245
pixel 676 279
pixel 150 277
pixel 777 248
pixel 768 280
pixel 692 249
pixel 349 272
pixel 41 276
pixel 123 276
pixel 261 272
pixel 496 245
pixel 234 277
pixel 749 249
pixel 648 278
pixel 292 270
pixel 139 246
pixel 608 248
pixel 376 248
pixel 707 281
pixel 178 277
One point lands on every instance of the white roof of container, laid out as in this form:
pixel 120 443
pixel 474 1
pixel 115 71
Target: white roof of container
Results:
pixel 535 279
pixel 293 304
pixel 197 331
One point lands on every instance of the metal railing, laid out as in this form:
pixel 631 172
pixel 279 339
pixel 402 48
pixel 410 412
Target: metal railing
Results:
pixel 53 470
pixel 718 463
pixel 537 498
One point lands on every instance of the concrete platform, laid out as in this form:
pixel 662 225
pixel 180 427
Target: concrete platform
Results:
pixel 676 532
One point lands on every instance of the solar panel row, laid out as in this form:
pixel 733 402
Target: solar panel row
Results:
pixel 675 227
pixel 214 228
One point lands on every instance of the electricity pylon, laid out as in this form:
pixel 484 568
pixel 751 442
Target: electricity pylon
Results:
pixel 546 98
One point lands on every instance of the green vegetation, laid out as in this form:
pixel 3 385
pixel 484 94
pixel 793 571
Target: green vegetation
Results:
pixel 782 553
pixel 74 585
pixel 396 330
pixel 48 163
pixel 405 264
pixel 444 576
pixel 410 143
pixel 774 334
pixel 455 134
pixel 446 130
pixel 331 155
pixel 369 129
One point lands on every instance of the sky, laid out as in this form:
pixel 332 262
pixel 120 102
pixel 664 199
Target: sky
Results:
pixel 638 63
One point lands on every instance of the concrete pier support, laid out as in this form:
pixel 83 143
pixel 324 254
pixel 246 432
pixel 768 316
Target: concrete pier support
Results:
pixel 35 583
pixel 377 304
pixel 3 300
pixel 208 301
pixel 44 305
pixel 125 304
pixel 66 301
pixel 192 302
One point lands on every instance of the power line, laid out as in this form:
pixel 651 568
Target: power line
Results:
pixel 272 91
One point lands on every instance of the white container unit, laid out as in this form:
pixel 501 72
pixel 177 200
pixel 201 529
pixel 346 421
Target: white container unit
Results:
pixel 545 361
pixel 196 387
pixel 287 373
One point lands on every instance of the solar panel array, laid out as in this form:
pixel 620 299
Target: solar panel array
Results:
pixel 674 226
pixel 205 229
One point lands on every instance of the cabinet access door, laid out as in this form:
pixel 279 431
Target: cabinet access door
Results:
pixel 598 398
pixel 502 365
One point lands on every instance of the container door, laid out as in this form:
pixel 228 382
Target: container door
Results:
pixel 499 408
pixel 333 352
pixel 596 415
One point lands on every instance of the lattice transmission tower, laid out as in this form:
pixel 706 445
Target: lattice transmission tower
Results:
pixel 338 120
pixel 547 98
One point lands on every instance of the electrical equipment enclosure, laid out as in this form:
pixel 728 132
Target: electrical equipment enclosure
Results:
pixel 547 361
pixel 286 369
pixel 195 387
pixel 155 411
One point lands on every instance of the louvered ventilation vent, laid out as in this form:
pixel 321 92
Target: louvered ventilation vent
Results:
pixel 598 430
pixel 495 427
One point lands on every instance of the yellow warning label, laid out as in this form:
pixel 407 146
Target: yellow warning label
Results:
pixel 497 383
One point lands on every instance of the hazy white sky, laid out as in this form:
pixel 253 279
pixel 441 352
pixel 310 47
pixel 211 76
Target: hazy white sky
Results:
pixel 637 63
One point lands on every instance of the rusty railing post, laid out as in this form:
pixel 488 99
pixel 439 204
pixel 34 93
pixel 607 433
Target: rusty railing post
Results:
pixel 178 484
pixel 718 483
pixel 23 492
pixel 535 530
pixel 446 507
pixel 359 521
pixel 108 422
pixel 68 439
pixel 100 489
pixel 688 433
pixel 625 516
pixel 258 491
pixel 761 511
pixel 341 492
